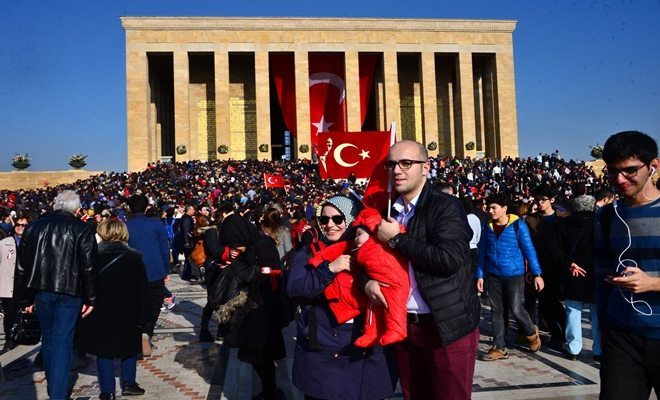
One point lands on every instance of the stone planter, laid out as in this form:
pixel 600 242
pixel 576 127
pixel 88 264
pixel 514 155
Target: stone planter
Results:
pixel 20 165
pixel 77 164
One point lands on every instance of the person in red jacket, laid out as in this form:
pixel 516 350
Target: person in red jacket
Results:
pixel 383 325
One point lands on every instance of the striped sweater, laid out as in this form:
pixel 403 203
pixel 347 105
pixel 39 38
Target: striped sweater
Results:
pixel 614 305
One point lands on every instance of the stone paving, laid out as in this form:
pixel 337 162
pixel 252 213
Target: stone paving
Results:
pixel 183 368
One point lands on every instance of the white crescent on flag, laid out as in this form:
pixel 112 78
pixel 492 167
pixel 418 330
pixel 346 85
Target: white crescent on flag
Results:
pixel 337 155
pixel 271 180
pixel 331 79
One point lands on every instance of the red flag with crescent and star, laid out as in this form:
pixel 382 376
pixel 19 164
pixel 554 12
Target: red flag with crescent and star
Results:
pixel 341 153
pixel 327 94
pixel 273 181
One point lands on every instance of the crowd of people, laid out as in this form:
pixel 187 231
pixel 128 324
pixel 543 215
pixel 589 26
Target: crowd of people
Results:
pixel 513 234
pixel 241 182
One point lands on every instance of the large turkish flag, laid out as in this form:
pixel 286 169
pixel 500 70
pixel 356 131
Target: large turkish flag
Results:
pixel 327 94
pixel 341 153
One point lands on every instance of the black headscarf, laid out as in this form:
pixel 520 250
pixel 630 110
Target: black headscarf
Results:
pixel 235 231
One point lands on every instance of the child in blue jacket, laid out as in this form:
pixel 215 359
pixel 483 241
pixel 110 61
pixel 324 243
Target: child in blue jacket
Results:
pixel 504 247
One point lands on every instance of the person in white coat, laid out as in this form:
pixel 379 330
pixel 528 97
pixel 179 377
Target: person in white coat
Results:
pixel 8 248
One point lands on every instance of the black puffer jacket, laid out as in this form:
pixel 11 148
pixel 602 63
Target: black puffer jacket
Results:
pixel 437 243
pixel 57 254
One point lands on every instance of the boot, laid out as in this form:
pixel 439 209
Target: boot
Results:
pixel 534 340
pixel 495 353
pixel 205 336
pixel 365 341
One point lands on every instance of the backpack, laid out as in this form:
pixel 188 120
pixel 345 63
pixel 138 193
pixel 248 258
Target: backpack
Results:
pixel 198 255
pixel 169 228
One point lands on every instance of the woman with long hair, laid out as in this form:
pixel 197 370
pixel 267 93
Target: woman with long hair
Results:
pixel 272 224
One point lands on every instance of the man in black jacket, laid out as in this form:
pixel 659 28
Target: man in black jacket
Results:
pixel 56 263
pixel 188 233
pixel 443 308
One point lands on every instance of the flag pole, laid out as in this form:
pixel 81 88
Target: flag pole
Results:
pixel 389 180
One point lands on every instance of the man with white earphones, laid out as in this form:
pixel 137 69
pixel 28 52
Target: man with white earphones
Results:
pixel 627 250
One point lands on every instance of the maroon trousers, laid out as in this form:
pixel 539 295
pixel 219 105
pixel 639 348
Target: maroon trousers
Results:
pixel 429 370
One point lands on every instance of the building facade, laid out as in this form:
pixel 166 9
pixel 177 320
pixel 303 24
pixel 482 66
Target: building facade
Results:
pixel 216 88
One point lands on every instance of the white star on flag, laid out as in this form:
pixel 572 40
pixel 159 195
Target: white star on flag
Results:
pixel 364 154
pixel 322 125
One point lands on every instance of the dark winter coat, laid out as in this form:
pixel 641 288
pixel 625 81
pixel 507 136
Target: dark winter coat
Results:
pixel 257 332
pixel 339 369
pixel 544 235
pixel 254 328
pixel 437 243
pixel 112 330
pixel 575 237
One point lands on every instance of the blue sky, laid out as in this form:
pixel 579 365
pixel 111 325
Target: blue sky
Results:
pixel 584 69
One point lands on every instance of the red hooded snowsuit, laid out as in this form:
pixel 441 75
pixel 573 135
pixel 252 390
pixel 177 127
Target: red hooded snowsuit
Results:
pixel 383 325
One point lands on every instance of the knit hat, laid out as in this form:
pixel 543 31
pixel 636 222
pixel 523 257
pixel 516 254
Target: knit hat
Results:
pixel 583 203
pixel 347 207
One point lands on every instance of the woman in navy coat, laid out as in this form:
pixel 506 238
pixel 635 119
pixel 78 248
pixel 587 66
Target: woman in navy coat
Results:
pixel 326 363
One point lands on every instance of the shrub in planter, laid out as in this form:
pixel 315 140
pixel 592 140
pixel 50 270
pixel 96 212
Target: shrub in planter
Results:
pixel 20 161
pixel 78 160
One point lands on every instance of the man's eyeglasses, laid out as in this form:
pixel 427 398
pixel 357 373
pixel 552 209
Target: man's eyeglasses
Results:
pixel 403 164
pixel 542 199
pixel 23 225
pixel 628 172
pixel 337 219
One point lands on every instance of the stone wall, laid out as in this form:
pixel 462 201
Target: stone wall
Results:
pixel 38 179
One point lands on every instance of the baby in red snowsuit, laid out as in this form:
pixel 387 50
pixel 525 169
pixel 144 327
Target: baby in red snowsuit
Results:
pixel 383 325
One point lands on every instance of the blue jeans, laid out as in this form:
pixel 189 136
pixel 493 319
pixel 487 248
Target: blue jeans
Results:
pixel 57 315
pixel 106 371
pixel 574 326
pixel 508 292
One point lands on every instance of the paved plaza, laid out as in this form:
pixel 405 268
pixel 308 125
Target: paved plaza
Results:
pixel 183 368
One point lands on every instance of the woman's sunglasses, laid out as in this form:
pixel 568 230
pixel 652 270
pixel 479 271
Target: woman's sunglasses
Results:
pixel 337 219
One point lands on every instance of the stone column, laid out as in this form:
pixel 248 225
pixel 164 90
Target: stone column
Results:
pixel 429 101
pixel 506 105
pixel 154 138
pixel 352 62
pixel 262 83
pixel 392 101
pixel 221 66
pixel 137 108
pixel 181 104
pixel 480 115
pixel 302 104
pixel 467 105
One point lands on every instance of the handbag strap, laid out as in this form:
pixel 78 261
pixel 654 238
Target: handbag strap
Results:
pixel 110 263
